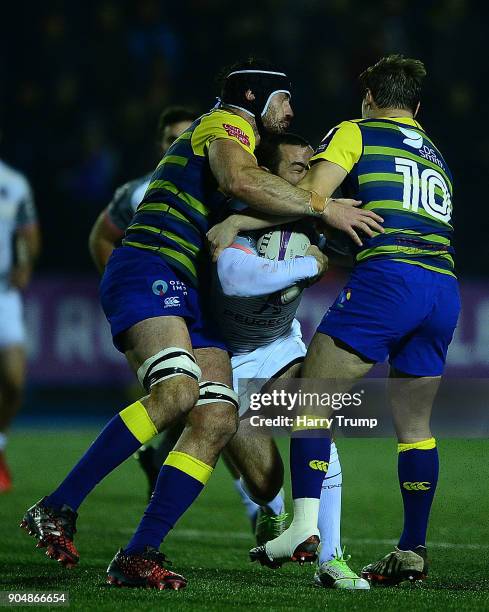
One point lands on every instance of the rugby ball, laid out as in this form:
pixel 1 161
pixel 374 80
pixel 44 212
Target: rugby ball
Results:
pixel 284 244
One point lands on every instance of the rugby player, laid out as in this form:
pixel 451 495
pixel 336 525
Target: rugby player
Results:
pixel 105 236
pixel 20 241
pixel 401 301
pixel 155 295
pixel 109 228
pixel 266 341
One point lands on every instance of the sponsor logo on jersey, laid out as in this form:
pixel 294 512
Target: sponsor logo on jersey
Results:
pixel 178 286
pixel 430 154
pixel 413 138
pixel 159 287
pixel 417 486
pixel 237 133
pixel 317 464
pixel 172 301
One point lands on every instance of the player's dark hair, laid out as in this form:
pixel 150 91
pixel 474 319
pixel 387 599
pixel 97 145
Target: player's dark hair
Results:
pixel 174 114
pixel 395 82
pixel 268 151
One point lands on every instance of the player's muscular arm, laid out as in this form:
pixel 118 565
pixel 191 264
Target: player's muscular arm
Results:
pixel 324 178
pixel 238 175
pixel 223 234
pixel 102 240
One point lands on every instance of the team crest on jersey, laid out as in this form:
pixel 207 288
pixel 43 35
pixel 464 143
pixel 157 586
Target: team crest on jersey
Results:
pixel 159 287
pixel 237 133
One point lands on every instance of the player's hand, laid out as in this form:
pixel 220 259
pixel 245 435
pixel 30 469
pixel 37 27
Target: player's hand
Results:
pixel 20 276
pixel 220 236
pixel 344 214
pixel 321 258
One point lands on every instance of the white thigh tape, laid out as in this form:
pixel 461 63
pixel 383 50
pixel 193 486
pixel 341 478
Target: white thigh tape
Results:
pixel 167 363
pixel 213 392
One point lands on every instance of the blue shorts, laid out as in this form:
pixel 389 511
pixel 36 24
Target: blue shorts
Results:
pixel 139 285
pixel 396 310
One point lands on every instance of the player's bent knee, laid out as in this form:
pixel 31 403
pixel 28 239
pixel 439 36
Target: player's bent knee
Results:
pixel 174 398
pixel 220 406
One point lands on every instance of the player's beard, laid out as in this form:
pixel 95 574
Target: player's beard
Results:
pixel 274 123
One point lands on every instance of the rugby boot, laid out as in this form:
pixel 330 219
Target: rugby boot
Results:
pixel 145 570
pixel 55 530
pixel 398 566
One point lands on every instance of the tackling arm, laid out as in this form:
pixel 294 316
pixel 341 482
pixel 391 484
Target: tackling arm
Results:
pixel 242 273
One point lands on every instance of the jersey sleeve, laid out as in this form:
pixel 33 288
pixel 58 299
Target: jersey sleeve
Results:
pixel 26 213
pixel 120 210
pixel 223 125
pixel 342 146
pixel 243 273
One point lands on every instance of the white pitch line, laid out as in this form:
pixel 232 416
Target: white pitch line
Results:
pixel 247 535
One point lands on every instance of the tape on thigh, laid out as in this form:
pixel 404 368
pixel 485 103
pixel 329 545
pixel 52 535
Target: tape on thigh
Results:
pixel 167 363
pixel 212 392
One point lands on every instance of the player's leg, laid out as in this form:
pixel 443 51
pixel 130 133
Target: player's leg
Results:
pixel 334 361
pixel 155 348
pixel 333 570
pixel 12 371
pixel 411 400
pixel 417 363
pixel 253 452
pixel 354 334
pixel 152 456
pixel 12 376
pixel 188 467
pixel 251 508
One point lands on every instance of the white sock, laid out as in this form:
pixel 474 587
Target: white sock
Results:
pixel 3 441
pixel 329 521
pixel 277 505
pixel 304 525
pixel 250 506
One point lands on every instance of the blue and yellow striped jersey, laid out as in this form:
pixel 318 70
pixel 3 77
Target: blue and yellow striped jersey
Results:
pixel 183 198
pixel 395 169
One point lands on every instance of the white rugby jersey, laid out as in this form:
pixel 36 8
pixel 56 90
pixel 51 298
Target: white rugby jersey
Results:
pixel 248 323
pixel 16 210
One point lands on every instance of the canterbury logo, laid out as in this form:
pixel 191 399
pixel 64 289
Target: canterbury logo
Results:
pixel 417 486
pixel 316 464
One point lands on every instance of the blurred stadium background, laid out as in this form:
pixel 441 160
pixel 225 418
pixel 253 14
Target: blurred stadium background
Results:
pixel 84 83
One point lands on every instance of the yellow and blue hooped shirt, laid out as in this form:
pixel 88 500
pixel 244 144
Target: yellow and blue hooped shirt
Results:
pixel 183 198
pixel 396 170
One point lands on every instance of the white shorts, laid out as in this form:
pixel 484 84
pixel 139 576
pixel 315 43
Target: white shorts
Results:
pixel 267 361
pixel 12 329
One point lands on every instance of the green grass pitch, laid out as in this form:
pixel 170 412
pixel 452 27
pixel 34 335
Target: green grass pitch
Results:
pixel 210 544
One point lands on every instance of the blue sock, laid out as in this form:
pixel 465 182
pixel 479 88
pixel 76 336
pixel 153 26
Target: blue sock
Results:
pixel 119 439
pixel 179 483
pixel 418 476
pixel 309 457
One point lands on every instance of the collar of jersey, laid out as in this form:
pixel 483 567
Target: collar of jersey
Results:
pixel 406 120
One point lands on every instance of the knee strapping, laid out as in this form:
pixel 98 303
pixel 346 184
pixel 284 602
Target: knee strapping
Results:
pixel 167 363
pixel 212 392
